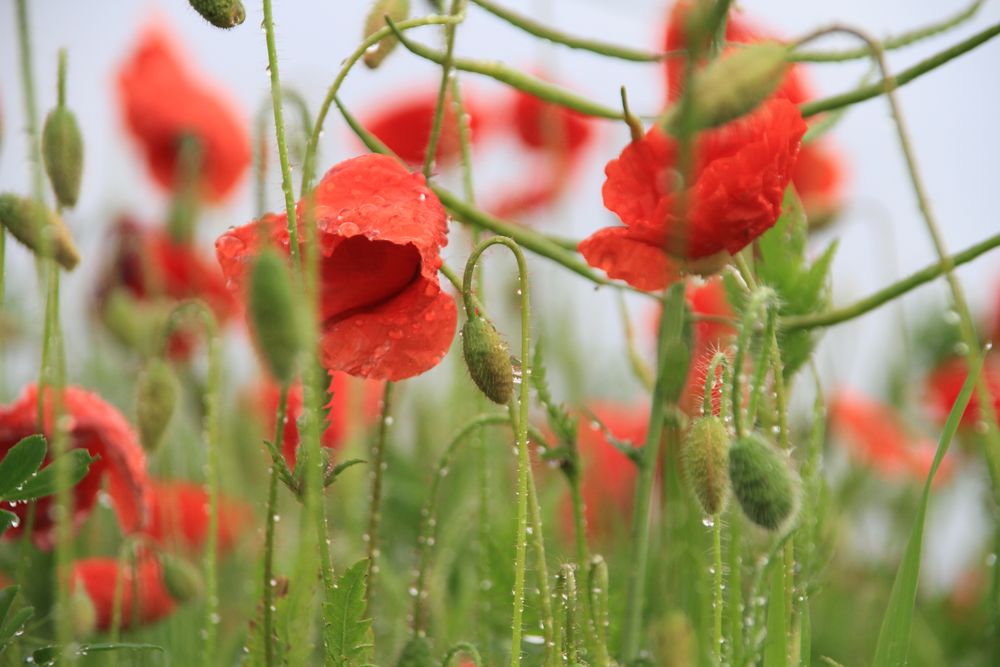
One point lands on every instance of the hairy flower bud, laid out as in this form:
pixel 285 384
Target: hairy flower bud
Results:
pixel 274 316
pixel 397 10
pixel 705 454
pixel 762 481
pixel 416 653
pixel 82 614
pixel 62 153
pixel 181 578
pixel 488 359
pixel 155 400
pixel 220 13
pixel 39 228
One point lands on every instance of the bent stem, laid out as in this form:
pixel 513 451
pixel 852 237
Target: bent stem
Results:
pixel 272 502
pixel 375 497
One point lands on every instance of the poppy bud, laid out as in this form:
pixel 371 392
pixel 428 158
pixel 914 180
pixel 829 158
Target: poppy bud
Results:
pixel 733 85
pixel 182 579
pixel 220 13
pixel 155 400
pixel 274 316
pixel 416 653
pixel 39 228
pixel 397 10
pixel 762 481
pixel 82 613
pixel 62 153
pixel 706 447
pixel 488 359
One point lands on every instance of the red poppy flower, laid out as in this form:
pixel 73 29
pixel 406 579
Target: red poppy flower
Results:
pixel 100 429
pixel 343 393
pixel 549 127
pixel 404 125
pixel 739 178
pixel 165 100
pixel 380 230
pixel 818 175
pixel 178 517
pixel 944 384
pixel 99 578
pixel 876 437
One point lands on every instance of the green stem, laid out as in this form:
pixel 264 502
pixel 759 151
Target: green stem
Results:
pixel 272 504
pixel 759 299
pixel 878 88
pixel 717 589
pixel 375 497
pixel 30 105
pixel 446 66
pixel 887 294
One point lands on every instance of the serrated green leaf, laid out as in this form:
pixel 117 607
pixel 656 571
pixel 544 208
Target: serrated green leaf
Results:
pixel 775 645
pixel 346 627
pixel 49 654
pixel 894 635
pixel 339 468
pixel 12 624
pixel 7 596
pixel 21 461
pixel 44 482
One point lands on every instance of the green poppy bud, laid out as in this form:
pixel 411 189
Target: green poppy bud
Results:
pixel 705 458
pixel 220 13
pixel 488 359
pixel 397 10
pixel 416 653
pixel 762 482
pixel 181 578
pixel 155 401
pixel 62 153
pixel 82 613
pixel 39 228
pixel 274 316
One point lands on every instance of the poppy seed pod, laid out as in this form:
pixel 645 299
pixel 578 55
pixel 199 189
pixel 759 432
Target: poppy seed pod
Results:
pixel 39 228
pixel 274 316
pixel 705 453
pixel 762 482
pixel 416 653
pixel 62 153
pixel 220 13
pixel 397 10
pixel 488 359
pixel 155 400
pixel 181 579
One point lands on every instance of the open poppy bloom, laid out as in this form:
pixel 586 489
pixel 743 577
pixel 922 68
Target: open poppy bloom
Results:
pixel 877 438
pixel 944 384
pixel 818 174
pixel 178 517
pixel 100 429
pixel 739 178
pixel 380 232
pixel 99 578
pixel 165 101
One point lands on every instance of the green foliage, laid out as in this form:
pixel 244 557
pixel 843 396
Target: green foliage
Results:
pixel 776 642
pixel 346 629
pixel 21 462
pixel 50 655
pixel 44 482
pixel 11 623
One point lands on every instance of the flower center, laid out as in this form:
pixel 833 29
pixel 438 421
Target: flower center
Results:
pixel 362 274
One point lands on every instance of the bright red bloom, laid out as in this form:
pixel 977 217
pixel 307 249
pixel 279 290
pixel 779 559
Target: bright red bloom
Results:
pixel 944 384
pixel 100 429
pixel 99 578
pixel 740 174
pixel 548 126
pixel 877 437
pixel 178 517
pixel 164 100
pixel 380 230
pixel 404 125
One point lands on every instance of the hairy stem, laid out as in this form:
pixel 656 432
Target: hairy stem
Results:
pixel 272 504
pixel 375 496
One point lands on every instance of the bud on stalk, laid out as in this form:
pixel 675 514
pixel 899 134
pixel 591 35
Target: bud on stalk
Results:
pixel 62 146
pixel 705 458
pixel 762 481
pixel 155 401
pixel 397 10
pixel 181 578
pixel 220 13
pixel 39 228
pixel 274 315
pixel 488 359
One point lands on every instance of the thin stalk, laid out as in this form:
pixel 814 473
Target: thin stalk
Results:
pixel 272 503
pixel 30 105
pixel 781 409
pixel 446 67
pixel 718 604
pixel 375 497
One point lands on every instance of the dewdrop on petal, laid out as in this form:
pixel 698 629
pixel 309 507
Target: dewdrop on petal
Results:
pixel 397 10
pixel 416 653
pixel 488 359
pixel 705 458
pixel 155 401
pixel 274 316
pixel 221 13
pixel 762 482
pixel 39 228
pixel 62 153
pixel 181 578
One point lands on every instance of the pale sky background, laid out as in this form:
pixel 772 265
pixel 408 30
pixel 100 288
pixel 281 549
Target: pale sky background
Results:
pixel 951 114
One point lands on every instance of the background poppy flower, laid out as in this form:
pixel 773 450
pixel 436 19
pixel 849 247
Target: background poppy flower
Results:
pixel 739 178
pixel 164 100
pixel 100 429
pixel 99 578
pixel 944 384
pixel 178 517
pixel 380 229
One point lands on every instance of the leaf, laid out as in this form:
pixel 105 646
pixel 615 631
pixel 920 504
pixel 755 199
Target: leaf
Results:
pixel 49 654
pixel 13 624
pixel 334 473
pixel 894 635
pixel 775 645
pixel 561 423
pixel 44 482
pixel 21 461
pixel 7 519
pixel 7 596
pixel 346 627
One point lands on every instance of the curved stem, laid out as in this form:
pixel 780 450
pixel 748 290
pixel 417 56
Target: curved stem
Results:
pixel 272 502
pixel 460 648
pixel 375 497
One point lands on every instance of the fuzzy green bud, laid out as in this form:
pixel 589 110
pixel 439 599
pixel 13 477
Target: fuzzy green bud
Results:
pixel 62 153
pixel 155 401
pixel 82 613
pixel 705 458
pixel 416 653
pixel 274 316
pixel 397 10
pixel 488 359
pixel 762 482
pixel 220 13
pixel 38 228
pixel 181 578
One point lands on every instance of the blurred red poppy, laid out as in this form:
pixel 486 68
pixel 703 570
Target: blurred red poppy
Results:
pixel 739 178
pixel 165 100
pixel 380 229
pixel 179 517
pixel 99 578
pixel 549 127
pixel 97 427
pixel 944 384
